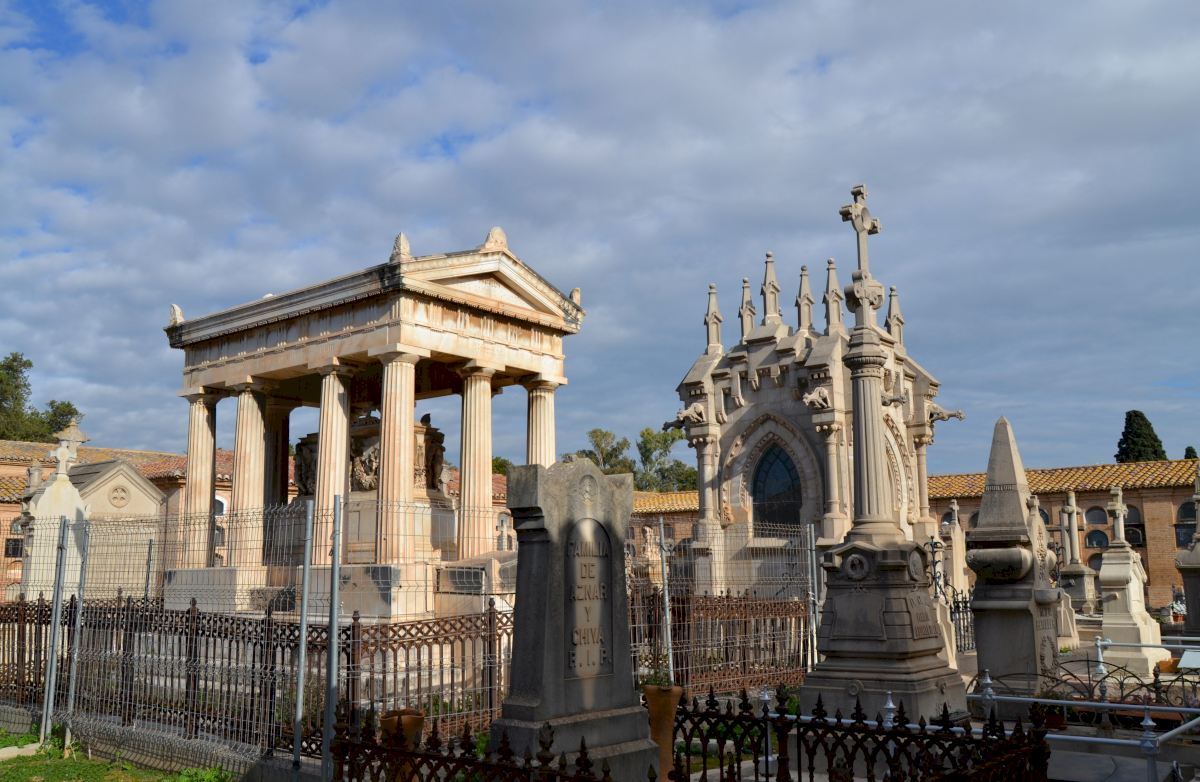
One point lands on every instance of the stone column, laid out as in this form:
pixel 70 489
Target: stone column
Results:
pixel 539 439
pixel 922 476
pixel 333 455
pixel 873 517
pixel 396 453
pixel 195 515
pixel 1070 532
pixel 832 528
pixel 475 463
pixel 279 412
pixel 243 528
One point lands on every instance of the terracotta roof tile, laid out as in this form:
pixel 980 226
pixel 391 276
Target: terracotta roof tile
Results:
pixel 1096 477
pixel 12 487
pixel 645 502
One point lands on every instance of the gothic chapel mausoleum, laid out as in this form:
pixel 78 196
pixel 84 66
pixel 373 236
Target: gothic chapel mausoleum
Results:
pixel 770 421
pixel 363 348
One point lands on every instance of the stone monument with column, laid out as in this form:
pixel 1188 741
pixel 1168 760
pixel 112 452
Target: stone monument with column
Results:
pixel 572 666
pixel 1188 563
pixel 1123 581
pixel 1014 604
pixel 879 630
pixel 1077 579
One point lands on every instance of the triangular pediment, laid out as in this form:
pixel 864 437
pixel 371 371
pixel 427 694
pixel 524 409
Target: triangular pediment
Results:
pixel 493 278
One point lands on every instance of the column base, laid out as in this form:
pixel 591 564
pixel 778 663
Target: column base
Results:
pixel 390 593
pixel 1079 581
pixel 619 736
pixel 224 590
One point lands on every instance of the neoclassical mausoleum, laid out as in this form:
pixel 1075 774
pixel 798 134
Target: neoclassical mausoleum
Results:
pixel 363 348
pixel 769 418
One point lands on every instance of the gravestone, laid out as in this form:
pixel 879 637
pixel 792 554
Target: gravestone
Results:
pixel 1188 563
pixel 1123 581
pixel 572 666
pixel 1079 580
pixel 1014 604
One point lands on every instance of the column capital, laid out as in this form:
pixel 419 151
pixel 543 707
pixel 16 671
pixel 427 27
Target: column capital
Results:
pixel 477 369
pixel 542 382
pixel 332 366
pixel 829 428
pixel 408 354
pixel 254 384
pixel 206 395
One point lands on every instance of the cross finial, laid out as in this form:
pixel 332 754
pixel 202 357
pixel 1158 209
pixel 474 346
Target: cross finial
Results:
pixel 863 223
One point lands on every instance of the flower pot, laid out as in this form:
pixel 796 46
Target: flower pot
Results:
pixel 1056 719
pixel 405 724
pixel 661 702
pixel 1169 666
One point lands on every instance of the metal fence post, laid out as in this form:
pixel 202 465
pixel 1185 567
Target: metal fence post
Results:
pixel 302 648
pixel 78 631
pixel 491 659
pixel 192 680
pixel 331 658
pixel 662 558
pixel 22 647
pixel 55 617
pixel 1149 746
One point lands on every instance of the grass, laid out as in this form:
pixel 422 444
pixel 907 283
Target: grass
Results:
pixel 16 739
pixel 52 767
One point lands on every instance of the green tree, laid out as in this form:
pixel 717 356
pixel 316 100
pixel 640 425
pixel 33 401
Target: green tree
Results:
pixel 657 470
pixel 1138 442
pixel 500 465
pixel 20 421
pixel 1189 452
pixel 608 452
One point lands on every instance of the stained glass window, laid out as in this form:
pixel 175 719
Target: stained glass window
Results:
pixel 776 493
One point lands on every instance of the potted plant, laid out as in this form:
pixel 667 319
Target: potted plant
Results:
pixel 405 724
pixel 1054 717
pixel 662 697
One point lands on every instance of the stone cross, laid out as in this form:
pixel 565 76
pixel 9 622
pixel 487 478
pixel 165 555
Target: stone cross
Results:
pixel 863 223
pixel 1117 510
pixel 69 440
pixel 954 511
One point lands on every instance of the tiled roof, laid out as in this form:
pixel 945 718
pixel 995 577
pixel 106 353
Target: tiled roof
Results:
pixel 12 487
pixel 1096 477
pixel 454 484
pixel 645 502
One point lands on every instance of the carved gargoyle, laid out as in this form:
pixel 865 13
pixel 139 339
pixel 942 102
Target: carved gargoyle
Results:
pixel 692 414
pixel 818 399
pixel 939 413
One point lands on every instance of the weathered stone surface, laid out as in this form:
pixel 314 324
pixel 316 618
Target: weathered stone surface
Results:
pixel 571 659
pixel 1015 606
pixel 1123 581
pixel 1188 563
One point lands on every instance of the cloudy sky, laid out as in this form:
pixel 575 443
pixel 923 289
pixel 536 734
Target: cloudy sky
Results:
pixel 1034 166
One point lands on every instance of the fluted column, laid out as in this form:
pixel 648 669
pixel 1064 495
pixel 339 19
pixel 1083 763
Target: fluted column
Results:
pixel 475 494
pixel 243 534
pixel 872 506
pixel 396 452
pixel 195 514
pixel 922 444
pixel 278 434
pixel 333 456
pixel 539 437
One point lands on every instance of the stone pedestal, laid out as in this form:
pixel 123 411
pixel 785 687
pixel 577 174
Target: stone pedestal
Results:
pixel 1080 582
pixel 1188 564
pixel 1126 620
pixel 1068 634
pixel 1014 605
pixel 226 590
pixel 391 593
pixel 572 665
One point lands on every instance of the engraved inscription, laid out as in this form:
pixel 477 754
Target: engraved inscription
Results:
pixel 924 623
pixel 588 576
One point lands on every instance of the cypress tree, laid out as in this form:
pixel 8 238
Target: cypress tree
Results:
pixel 1138 441
pixel 1189 452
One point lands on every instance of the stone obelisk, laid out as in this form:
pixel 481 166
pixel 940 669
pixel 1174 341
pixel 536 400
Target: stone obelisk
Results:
pixel 1015 606
pixel 879 631
pixel 1188 563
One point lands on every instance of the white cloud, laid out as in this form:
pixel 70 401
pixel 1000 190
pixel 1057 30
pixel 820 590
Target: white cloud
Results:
pixel 1029 164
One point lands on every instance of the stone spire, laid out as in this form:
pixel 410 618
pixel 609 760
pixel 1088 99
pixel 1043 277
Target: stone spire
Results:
pixel 895 319
pixel 804 302
pixel 400 249
pixel 1006 489
pixel 746 311
pixel 772 314
pixel 712 322
pixel 833 300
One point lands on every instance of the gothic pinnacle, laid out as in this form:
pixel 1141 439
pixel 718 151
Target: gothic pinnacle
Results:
pixel 770 293
pixel 832 299
pixel 804 302
pixel 894 323
pixel 746 311
pixel 712 321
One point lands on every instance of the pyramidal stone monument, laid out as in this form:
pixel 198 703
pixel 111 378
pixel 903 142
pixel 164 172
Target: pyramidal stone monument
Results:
pixel 879 630
pixel 1015 606
pixel 1123 583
